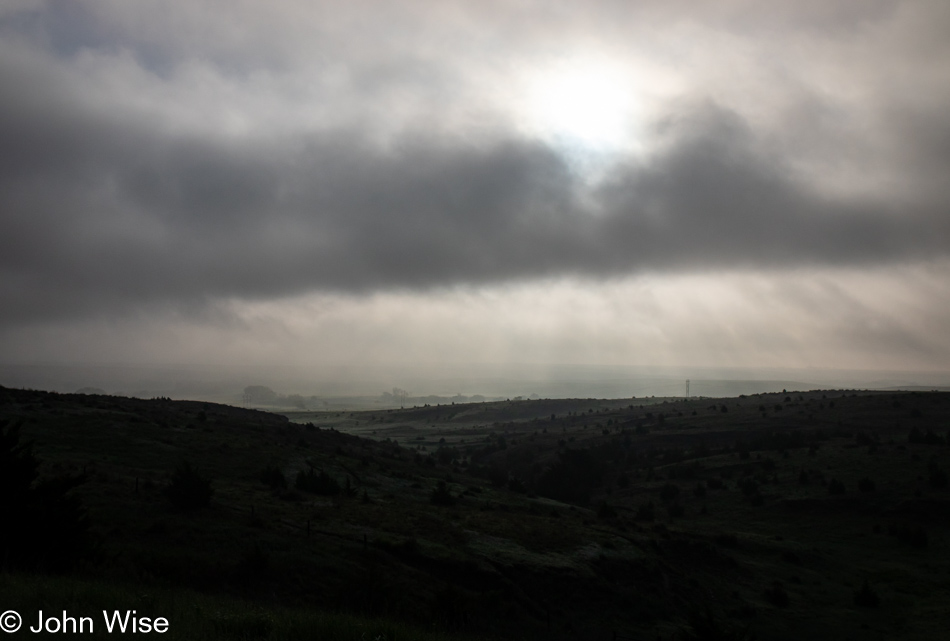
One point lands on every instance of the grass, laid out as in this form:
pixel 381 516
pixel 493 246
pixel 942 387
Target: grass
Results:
pixel 192 615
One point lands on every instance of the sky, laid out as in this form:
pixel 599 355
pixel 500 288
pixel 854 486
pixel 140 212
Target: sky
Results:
pixel 370 184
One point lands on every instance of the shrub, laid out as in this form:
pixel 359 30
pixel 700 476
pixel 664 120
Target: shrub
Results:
pixel 836 487
pixel 645 512
pixel 188 489
pixel 912 535
pixel 669 492
pixel 605 511
pixel 517 485
pixel 571 478
pixel 938 477
pixel 727 540
pixel 272 477
pixel 321 483
pixel 705 626
pixel 749 487
pixel 441 495
pixel 776 595
pixel 866 597
pixel 252 568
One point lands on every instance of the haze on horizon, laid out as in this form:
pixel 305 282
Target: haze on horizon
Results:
pixel 359 188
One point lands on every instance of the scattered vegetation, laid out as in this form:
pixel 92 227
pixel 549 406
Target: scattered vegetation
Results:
pixel 639 518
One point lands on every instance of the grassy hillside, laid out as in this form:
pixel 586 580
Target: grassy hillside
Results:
pixel 822 514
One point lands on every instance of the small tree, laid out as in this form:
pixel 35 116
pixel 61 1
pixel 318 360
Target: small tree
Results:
pixel 188 489
pixel 44 525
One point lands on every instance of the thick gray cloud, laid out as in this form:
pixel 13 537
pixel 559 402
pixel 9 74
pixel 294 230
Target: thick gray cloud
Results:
pixel 110 207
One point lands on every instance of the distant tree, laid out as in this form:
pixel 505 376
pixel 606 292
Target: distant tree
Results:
pixel 296 400
pixel 259 395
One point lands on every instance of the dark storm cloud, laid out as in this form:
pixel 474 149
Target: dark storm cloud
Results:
pixel 106 211
pixel 102 214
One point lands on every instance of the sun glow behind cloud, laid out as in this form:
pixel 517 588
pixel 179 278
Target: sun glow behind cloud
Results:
pixel 583 106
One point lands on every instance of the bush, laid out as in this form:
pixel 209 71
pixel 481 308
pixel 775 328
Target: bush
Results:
pixel 836 487
pixel 705 626
pixel 645 512
pixel 750 487
pixel 517 485
pixel 571 478
pixel 669 492
pixel 912 535
pixel 251 570
pixel 866 597
pixel 273 478
pixel 776 595
pixel 605 511
pixel 727 540
pixel 322 483
pixel 441 495
pixel 938 477
pixel 188 489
